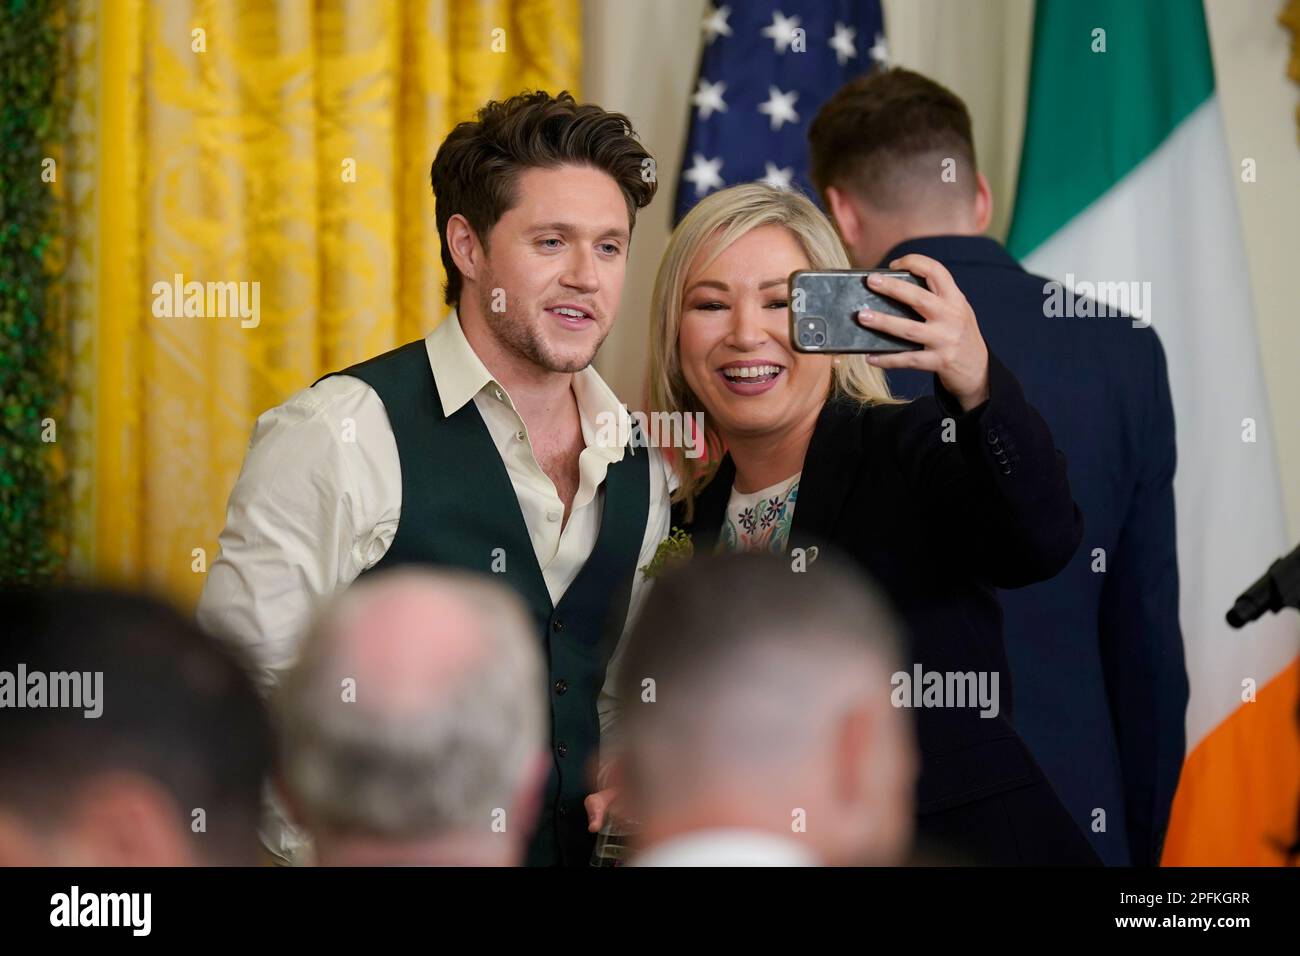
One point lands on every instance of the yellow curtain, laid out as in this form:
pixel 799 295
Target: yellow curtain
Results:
pixel 279 142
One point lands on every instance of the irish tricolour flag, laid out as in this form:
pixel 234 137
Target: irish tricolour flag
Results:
pixel 1126 180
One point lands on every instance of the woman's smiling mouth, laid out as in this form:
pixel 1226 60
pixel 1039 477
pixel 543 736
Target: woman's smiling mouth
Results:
pixel 750 378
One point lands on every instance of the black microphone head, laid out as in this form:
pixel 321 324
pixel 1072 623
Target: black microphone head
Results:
pixel 1255 600
pixel 1237 616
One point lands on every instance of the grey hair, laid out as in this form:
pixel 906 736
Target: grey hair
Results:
pixel 451 765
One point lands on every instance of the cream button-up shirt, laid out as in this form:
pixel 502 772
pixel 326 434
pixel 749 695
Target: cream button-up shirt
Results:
pixel 319 497
pixel 319 500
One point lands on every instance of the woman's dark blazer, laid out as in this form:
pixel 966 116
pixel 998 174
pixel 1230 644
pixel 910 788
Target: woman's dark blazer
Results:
pixel 938 524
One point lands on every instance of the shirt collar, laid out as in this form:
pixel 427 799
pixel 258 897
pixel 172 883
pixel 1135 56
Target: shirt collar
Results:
pixel 977 250
pixel 457 369
pixel 606 424
pixel 461 375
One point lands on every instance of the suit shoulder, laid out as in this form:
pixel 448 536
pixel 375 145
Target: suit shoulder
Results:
pixel 1085 314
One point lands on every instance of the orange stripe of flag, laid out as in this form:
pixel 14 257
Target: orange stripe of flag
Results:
pixel 1239 793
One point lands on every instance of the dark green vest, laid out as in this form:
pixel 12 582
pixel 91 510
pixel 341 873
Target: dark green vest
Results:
pixel 458 509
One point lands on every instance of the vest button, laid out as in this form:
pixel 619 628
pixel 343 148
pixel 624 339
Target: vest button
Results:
pixel 557 624
pixel 562 749
pixel 563 811
pixel 561 686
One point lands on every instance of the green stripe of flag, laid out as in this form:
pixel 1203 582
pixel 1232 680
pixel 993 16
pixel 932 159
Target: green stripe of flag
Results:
pixel 1093 116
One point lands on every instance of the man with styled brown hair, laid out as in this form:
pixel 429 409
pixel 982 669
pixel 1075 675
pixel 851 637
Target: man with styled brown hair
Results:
pixel 1096 653
pixel 484 446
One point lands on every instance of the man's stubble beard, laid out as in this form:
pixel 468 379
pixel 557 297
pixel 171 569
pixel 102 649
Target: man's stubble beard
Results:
pixel 523 338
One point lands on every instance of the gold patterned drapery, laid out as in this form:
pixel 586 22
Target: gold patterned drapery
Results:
pixel 278 150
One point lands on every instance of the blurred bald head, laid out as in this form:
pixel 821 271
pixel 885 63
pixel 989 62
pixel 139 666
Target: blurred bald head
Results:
pixel 755 697
pixel 414 724
pixel 413 636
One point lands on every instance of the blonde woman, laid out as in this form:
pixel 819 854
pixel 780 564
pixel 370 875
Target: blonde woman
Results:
pixel 940 500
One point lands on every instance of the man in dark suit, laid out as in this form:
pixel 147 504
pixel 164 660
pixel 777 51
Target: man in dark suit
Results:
pixel 1096 652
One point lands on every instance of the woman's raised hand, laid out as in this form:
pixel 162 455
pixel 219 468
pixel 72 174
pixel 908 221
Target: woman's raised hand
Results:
pixel 952 345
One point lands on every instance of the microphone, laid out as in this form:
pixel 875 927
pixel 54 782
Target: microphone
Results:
pixel 1278 588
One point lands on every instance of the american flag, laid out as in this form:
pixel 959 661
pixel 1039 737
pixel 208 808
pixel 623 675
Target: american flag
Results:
pixel 765 69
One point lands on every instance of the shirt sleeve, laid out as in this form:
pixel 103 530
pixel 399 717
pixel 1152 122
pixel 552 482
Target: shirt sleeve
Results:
pixel 996 487
pixel 316 503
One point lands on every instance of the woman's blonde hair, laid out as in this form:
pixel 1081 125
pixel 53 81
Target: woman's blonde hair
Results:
pixel 710 227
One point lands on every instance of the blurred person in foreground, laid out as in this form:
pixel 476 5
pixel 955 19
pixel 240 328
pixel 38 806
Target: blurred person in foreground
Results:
pixel 1097 658
pixel 140 741
pixel 414 725
pixel 760 732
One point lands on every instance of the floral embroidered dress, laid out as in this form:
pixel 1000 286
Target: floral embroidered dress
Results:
pixel 760 521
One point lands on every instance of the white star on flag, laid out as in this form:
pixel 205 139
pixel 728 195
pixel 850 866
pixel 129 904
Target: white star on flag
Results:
pixel 780 106
pixel 880 51
pixel 715 22
pixel 704 174
pixel 781 31
pixel 842 42
pixel 778 178
pixel 709 98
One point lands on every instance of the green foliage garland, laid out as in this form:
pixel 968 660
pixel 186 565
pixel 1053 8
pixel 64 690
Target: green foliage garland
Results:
pixel 33 491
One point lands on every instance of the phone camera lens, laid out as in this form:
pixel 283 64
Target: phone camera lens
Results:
pixel 810 333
